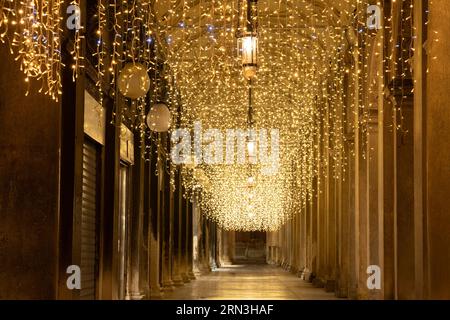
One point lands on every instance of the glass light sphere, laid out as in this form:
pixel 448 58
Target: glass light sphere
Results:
pixel 159 118
pixel 134 81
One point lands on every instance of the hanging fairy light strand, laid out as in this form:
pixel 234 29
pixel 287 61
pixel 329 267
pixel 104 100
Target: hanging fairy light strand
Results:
pixel 32 29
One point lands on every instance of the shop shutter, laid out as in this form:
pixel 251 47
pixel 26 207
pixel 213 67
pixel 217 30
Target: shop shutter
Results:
pixel 89 223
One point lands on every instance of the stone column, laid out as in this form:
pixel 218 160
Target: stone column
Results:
pixel 321 213
pixel 166 227
pixel 154 241
pixel 331 219
pixel 231 245
pixel 353 145
pixel 314 229
pixel 401 89
pixel 437 157
pixel 30 183
pixel 177 233
pixel 420 222
pixel 303 240
pixel 189 240
pixel 226 248
pixel 389 168
pixel 374 159
pixel 306 273
pixel 196 230
pixel 362 218
pixel 212 239
pixel 389 192
pixel 186 251
pixel 289 244
pixel 134 291
pixel 204 244
pixel 374 219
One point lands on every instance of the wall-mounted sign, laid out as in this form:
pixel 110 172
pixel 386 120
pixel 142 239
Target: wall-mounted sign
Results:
pixel 94 119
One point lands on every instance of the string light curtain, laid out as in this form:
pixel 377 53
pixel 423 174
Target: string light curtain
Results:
pixel 305 51
pixel 298 90
pixel 32 31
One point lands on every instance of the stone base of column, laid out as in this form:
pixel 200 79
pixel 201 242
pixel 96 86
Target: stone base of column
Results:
pixel 168 286
pixel 155 293
pixel 293 269
pixel 307 275
pixel 202 269
pixel 285 266
pixel 330 285
pixel 135 296
pixel 352 293
pixel 299 273
pixel 226 262
pixel 318 283
pixel 341 292
pixel 177 280
pixel 191 275
pixel 185 278
pixel 196 271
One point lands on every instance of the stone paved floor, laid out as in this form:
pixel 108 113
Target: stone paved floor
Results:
pixel 248 282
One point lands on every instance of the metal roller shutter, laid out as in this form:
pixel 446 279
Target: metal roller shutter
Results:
pixel 89 223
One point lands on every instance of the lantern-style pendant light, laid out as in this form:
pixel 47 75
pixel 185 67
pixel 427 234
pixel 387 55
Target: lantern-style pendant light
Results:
pixel 248 42
pixel 249 56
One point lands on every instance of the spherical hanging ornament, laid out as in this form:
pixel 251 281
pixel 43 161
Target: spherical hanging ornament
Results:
pixel 159 118
pixel 134 81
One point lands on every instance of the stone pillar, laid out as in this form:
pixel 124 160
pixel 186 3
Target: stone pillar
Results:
pixel 362 218
pixel 203 232
pixel 388 128
pixel 321 213
pixel 420 222
pixel 212 239
pixel 226 248
pixel 29 190
pixel 374 219
pixel 196 230
pixel 289 244
pixel 189 240
pixel 306 273
pixel 331 221
pixel 314 229
pixel 437 133
pixel 327 206
pixel 166 227
pixel 186 251
pixel 303 235
pixel 389 192
pixel 375 161
pixel 231 245
pixel 177 232
pixel 342 201
pixel 154 241
pixel 134 291
pixel 224 254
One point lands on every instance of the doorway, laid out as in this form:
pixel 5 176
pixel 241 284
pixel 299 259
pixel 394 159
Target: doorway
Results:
pixel 250 247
